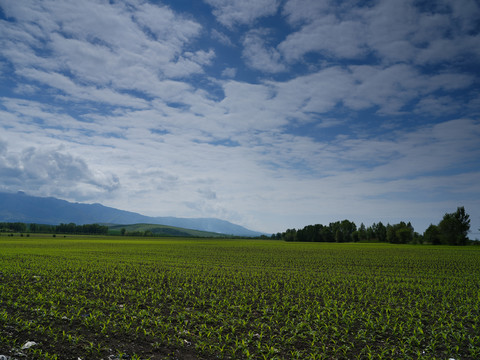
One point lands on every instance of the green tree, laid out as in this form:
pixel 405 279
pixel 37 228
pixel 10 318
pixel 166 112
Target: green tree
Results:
pixel 347 228
pixel 326 234
pixel 355 236
pixel 362 233
pixel 432 235
pixel 339 236
pixel 378 231
pixel 302 235
pixel 404 235
pixel 400 233
pixel 343 230
pixel 290 235
pixel 417 238
pixel 454 227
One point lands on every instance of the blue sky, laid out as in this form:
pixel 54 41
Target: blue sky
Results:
pixel 272 114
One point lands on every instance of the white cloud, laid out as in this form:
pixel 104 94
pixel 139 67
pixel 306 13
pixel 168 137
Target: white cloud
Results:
pixel 301 11
pixel 233 12
pixel 450 49
pixel 100 45
pixel 423 152
pixel 34 117
pixel 176 175
pixel 167 27
pixel 326 35
pixel 190 63
pixel 395 31
pixel 391 88
pixel 77 92
pixel 466 12
pixel 26 89
pixel 317 93
pixel 53 172
pixel 229 72
pixel 258 55
pixel 438 105
pixel 224 39
pixel 33 14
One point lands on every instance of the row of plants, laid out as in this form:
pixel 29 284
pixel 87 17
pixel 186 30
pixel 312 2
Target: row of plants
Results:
pixel 93 298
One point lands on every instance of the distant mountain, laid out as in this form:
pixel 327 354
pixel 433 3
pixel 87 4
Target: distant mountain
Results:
pixel 48 210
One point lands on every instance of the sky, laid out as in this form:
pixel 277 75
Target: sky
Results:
pixel 271 114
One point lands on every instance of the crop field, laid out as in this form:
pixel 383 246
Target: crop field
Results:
pixel 173 298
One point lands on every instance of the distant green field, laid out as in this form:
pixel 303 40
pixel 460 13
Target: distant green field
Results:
pixel 161 230
pixel 175 298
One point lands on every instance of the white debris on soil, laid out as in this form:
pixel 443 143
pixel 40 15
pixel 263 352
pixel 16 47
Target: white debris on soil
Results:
pixel 28 345
pixel 4 357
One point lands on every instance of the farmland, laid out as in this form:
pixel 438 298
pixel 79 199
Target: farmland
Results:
pixel 175 298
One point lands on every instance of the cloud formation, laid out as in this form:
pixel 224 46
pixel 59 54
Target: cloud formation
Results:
pixel 100 52
pixel 258 56
pixel 393 31
pixel 266 113
pixel 52 171
pixel 237 12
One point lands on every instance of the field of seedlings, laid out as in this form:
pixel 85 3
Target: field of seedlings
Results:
pixel 169 298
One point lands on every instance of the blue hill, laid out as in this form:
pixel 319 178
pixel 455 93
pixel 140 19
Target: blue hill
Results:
pixel 48 210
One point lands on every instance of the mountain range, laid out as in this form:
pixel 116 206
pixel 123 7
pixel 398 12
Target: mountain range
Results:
pixel 20 207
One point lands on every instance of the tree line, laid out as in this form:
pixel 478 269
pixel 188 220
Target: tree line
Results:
pixel 70 228
pixel 451 230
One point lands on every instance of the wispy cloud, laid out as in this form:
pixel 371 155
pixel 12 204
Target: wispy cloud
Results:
pixel 258 55
pixel 96 52
pixel 229 72
pixel 233 12
pixel 391 30
pixel 222 38
pixel 267 113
